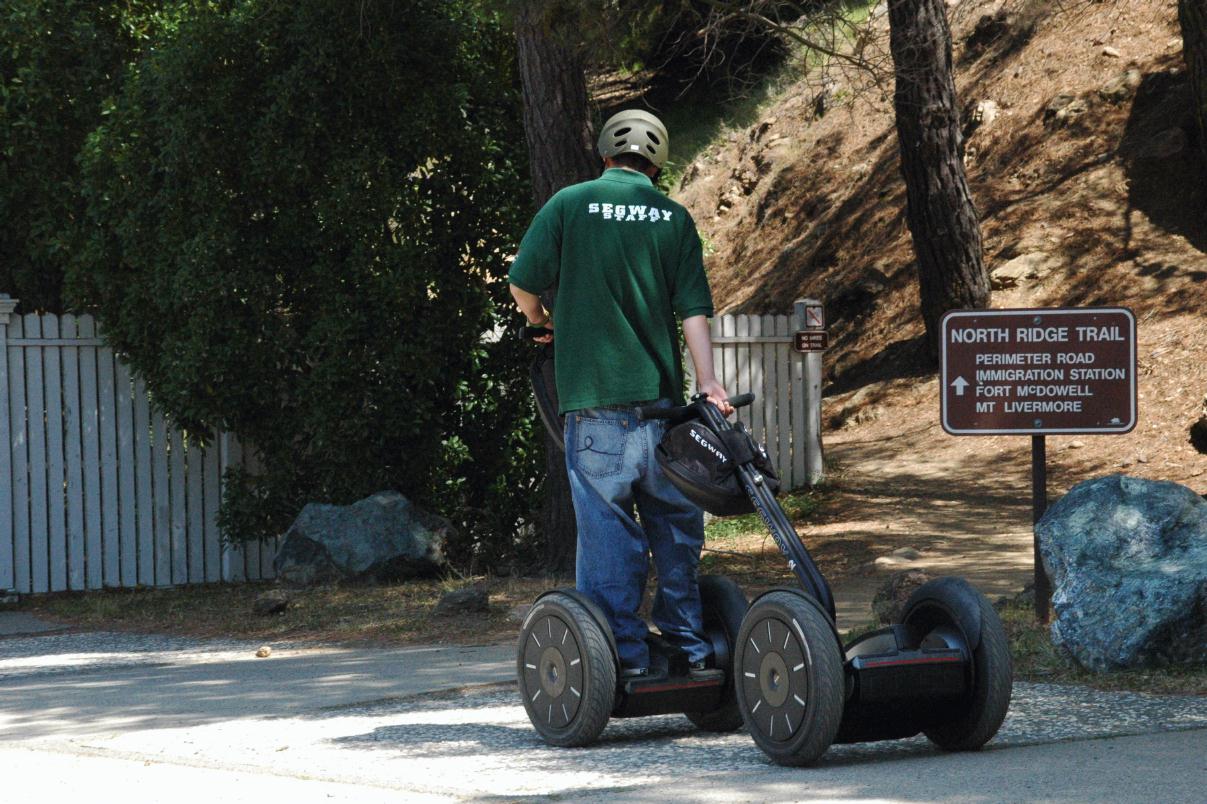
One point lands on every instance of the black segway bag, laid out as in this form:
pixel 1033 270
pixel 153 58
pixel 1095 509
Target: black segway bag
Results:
pixel 703 465
pixel 544 388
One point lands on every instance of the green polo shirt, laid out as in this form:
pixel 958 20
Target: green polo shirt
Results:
pixel 627 260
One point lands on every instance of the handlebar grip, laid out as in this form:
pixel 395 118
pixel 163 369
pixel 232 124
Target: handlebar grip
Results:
pixel 532 333
pixel 685 411
pixel 741 400
pixel 651 412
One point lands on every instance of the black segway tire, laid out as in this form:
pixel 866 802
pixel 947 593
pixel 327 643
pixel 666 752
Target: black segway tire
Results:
pixel 992 683
pixel 566 672
pixel 790 678
pixel 724 607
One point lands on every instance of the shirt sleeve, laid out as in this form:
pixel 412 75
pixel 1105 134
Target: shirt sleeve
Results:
pixel 535 267
pixel 691 295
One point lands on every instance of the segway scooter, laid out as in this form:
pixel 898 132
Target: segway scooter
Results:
pixel 567 665
pixel 944 670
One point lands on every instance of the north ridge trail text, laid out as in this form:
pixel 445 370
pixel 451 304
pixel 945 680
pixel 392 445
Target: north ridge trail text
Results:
pixel 1063 369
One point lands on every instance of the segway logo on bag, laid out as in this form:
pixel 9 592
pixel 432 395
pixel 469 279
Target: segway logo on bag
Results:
pixel 720 455
pixel 629 212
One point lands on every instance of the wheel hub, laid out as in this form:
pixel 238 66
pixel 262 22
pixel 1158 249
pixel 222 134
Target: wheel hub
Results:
pixel 774 679
pixel 773 676
pixel 553 672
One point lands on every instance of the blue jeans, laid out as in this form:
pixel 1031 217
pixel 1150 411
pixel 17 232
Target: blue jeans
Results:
pixel 612 469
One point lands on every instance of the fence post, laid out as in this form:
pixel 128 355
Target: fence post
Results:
pixel 8 578
pixel 810 383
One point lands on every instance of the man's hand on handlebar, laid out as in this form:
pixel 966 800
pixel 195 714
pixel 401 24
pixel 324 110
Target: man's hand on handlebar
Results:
pixel 717 395
pixel 541 334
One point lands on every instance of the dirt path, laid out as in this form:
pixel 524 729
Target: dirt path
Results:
pixel 966 515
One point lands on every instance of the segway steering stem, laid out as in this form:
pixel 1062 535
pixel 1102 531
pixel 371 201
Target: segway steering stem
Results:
pixel 772 513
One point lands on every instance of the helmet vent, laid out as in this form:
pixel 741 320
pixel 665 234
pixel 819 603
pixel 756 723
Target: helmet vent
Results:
pixel 620 132
pixel 653 138
pixel 621 143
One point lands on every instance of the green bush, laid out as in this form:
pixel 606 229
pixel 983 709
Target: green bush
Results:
pixel 297 221
pixel 60 61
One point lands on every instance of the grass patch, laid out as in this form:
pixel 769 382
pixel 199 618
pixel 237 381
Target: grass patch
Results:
pixel 1037 659
pixel 798 505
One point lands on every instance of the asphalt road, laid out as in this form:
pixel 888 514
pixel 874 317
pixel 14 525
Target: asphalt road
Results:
pixel 120 717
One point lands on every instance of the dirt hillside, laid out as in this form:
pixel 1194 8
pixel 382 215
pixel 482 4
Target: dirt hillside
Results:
pixel 1084 163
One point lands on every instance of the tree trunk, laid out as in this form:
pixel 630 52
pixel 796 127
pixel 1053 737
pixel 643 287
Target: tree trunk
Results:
pixel 1193 16
pixel 557 122
pixel 557 126
pixel 942 218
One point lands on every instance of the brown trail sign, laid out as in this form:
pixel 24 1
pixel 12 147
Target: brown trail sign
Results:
pixel 1034 372
pixel 1030 372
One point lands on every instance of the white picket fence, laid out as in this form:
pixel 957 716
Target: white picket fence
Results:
pixel 755 353
pixel 98 489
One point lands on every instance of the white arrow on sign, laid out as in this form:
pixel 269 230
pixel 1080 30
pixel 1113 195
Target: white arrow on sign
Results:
pixel 960 384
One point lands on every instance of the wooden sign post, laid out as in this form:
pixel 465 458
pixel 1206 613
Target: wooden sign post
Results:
pixel 1038 372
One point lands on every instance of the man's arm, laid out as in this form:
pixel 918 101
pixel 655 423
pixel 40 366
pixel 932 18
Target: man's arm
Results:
pixel 534 310
pixel 699 344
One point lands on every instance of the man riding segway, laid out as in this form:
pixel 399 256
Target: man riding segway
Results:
pixel 628 263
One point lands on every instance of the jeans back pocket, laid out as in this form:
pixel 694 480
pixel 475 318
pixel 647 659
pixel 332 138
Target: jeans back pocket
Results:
pixel 598 447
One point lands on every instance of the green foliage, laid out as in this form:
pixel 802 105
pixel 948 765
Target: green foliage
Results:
pixel 60 63
pixel 297 221
pixel 797 504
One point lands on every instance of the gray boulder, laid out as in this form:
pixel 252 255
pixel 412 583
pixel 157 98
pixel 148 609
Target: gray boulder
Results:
pixel 463 601
pixel 380 538
pixel 1128 563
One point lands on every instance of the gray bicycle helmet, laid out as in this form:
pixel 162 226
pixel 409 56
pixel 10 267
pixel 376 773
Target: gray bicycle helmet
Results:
pixel 635 131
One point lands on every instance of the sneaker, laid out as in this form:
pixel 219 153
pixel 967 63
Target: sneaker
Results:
pixel 700 671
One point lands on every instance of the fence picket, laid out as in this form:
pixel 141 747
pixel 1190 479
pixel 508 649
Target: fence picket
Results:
pixel 7 560
pixel 741 382
pixel 162 500
pixel 797 387
pixel 39 549
pixel 783 408
pixel 767 358
pixel 231 456
pixel 180 556
pixel 127 512
pixel 755 359
pixel 72 445
pixel 252 553
pixel 56 502
pixel 90 459
pixel 142 484
pixel 19 444
pixel 213 499
pixel 196 521
pixel 106 389
pixel 730 377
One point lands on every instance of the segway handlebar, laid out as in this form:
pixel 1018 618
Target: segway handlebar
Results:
pixel 684 412
pixel 532 333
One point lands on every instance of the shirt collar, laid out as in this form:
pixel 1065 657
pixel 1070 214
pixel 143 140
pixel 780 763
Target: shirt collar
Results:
pixel 626 177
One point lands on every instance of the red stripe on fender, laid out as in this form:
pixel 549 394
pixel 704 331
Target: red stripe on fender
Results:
pixel 935 660
pixel 670 687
